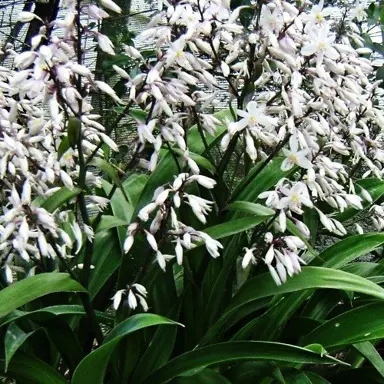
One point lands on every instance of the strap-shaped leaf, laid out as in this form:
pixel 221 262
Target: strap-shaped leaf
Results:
pixel 357 325
pixel 59 198
pixel 349 249
pixel 29 369
pixel 235 351
pixel 34 287
pixel 310 278
pixel 93 367
pixel 55 310
pixel 13 340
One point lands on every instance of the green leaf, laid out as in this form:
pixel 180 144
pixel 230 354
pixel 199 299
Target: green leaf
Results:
pixel 111 171
pixel 55 310
pixel 310 277
pixel 234 351
pixel 106 258
pixel 380 73
pixel 321 303
pixel 233 227
pixel 63 147
pixel 361 324
pixel 230 318
pixel 122 209
pixel 255 183
pixel 31 288
pixel 333 257
pixel 108 222
pixel 349 249
pixel 159 349
pixel 311 220
pixel 206 376
pixel 318 348
pixel 65 340
pixel 252 208
pixel 138 114
pixel 59 198
pixel 28 369
pixel 297 378
pixel 93 367
pixel 195 143
pixel 371 354
pixel 316 379
pixel 252 372
pixel 200 160
pixel 13 340
pixel 364 268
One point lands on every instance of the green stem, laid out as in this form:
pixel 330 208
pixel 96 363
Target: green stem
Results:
pixel 261 168
pixel 90 312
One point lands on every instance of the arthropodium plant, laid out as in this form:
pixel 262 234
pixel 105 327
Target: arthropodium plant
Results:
pixel 303 110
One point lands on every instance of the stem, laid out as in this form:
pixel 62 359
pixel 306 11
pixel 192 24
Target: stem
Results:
pixel 90 312
pixel 174 157
pixel 111 128
pixel 204 140
pixel 130 165
pixel 227 155
pixel 266 162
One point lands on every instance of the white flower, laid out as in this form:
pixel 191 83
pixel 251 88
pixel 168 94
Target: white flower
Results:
pixel 179 252
pixel 282 220
pixel 354 201
pixel 161 260
pixel 97 13
pixel 25 17
pixel 204 181
pixel 320 44
pixel 176 54
pixel 358 11
pixel 8 274
pixel 89 233
pixel 104 87
pixel 151 240
pixel 359 229
pixel 117 298
pixel 78 236
pixel 211 244
pixel 132 301
pixel 105 44
pixel 269 255
pixel 128 243
pixel 253 116
pixel 271 21
pixel 146 211
pixel 200 207
pixel 109 4
pixel 294 156
pixel 133 53
pixel 317 14
pixel 102 202
pixel 274 274
pixel 294 197
pixel 133 293
pixel 248 257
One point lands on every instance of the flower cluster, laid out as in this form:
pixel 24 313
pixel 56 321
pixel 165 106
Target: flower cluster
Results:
pixel 134 294
pixel 48 136
pixel 165 203
pixel 300 91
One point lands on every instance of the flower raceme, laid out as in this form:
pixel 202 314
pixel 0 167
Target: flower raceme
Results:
pixel 300 92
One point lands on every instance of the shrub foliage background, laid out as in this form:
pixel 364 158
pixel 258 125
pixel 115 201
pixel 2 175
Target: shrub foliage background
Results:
pixel 192 254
